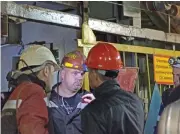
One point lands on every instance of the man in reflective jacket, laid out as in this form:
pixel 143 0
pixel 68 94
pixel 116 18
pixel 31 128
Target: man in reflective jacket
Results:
pixel 68 98
pixel 25 111
pixel 114 111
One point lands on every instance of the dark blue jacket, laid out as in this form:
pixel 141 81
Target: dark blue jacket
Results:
pixel 60 122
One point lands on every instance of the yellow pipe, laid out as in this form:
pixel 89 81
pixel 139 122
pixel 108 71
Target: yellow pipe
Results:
pixel 86 82
pixel 124 58
pixel 148 74
pixel 137 49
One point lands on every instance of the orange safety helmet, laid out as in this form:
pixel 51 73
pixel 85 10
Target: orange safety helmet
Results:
pixel 104 56
pixel 75 60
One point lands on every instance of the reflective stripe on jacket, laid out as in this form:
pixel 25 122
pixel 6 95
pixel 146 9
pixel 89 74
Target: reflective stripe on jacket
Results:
pixel 32 113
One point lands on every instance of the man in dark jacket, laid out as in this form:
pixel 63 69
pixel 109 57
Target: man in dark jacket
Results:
pixel 114 111
pixel 174 95
pixel 68 98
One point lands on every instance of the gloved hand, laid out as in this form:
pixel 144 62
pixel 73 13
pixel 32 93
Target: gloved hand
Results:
pixel 88 98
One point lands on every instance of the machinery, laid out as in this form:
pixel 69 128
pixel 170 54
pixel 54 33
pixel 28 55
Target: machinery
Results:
pixel 170 119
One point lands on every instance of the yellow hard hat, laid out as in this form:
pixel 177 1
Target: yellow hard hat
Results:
pixel 36 55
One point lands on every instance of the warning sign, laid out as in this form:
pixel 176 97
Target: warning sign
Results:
pixel 127 78
pixel 162 70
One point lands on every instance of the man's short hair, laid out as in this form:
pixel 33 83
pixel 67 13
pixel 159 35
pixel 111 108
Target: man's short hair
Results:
pixel 101 76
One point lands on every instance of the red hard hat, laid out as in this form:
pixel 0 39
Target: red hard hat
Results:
pixel 75 60
pixel 104 56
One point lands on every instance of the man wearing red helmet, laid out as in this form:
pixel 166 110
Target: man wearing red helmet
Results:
pixel 67 98
pixel 114 111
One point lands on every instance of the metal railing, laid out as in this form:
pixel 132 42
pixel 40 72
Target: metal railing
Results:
pixel 142 57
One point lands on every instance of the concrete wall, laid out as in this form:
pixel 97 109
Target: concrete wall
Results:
pixel 62 38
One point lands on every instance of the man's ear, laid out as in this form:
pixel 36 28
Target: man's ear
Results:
pixel 46 71
pixel 62 74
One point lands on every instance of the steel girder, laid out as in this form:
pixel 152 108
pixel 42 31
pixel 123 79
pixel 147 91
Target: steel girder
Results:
pixel 42 15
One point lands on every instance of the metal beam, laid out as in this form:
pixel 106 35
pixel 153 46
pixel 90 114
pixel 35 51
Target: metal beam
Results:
pixel 45 15
pixel 133 49
pixel 67 3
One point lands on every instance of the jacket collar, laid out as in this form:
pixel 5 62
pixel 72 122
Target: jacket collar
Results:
pixel 106 89
pixel 32 79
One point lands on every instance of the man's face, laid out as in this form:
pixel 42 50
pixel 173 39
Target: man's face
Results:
pixel 176 76
pixel 72 78
pixel 50 76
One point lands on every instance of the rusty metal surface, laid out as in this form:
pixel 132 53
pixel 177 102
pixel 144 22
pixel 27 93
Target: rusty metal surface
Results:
pixel 45 15
pixel 39 14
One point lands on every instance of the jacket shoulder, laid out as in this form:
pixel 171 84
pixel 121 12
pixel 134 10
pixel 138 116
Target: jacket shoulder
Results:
pixel 27 89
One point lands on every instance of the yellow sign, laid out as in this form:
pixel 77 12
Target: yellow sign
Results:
pixel 162 70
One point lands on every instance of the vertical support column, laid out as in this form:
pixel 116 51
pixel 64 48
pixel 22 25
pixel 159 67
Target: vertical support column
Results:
pixel 124 58
pixel 135 13
pixel 174 48
pixel 85 20
pixel 4 29
pixel 146 102
pixel 148 76
pixel 169 24
pixel 86 82
pixel 137 82
pixel 85 12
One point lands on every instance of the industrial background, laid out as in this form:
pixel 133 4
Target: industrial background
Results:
pixel 152 26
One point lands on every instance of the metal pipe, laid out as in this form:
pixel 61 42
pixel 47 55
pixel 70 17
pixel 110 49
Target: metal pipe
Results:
pixel 148 76
pixel 169 24
pixel 137 82
pixel 124 58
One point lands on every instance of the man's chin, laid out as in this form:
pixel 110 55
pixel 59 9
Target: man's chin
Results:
pixel 77 88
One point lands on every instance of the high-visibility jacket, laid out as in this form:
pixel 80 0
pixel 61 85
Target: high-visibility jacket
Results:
pixel 31 114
